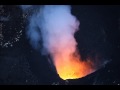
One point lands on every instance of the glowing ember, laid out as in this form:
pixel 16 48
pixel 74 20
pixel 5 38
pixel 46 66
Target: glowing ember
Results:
pixel 73 67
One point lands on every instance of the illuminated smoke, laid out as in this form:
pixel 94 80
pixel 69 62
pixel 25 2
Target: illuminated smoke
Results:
pixel 55 26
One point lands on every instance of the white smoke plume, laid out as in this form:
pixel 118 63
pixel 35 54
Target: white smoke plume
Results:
pixel 55 26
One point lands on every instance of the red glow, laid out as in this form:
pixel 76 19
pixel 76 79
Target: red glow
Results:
pixel 72 67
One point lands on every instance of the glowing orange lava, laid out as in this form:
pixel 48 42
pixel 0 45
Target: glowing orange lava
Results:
pixel 72 67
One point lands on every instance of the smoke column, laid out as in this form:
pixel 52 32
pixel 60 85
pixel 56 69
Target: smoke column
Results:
pixel 55 26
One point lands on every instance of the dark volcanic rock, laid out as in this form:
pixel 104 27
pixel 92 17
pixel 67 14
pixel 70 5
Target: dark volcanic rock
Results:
pixel 108 75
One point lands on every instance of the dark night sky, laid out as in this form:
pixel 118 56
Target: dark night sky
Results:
pixel 98 35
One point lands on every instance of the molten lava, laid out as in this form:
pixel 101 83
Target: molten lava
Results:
pixel 72 67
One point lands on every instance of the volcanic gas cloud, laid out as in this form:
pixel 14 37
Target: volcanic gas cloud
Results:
pixel 55 26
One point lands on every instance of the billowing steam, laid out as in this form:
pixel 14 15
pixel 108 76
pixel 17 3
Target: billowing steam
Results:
pixel 55 26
